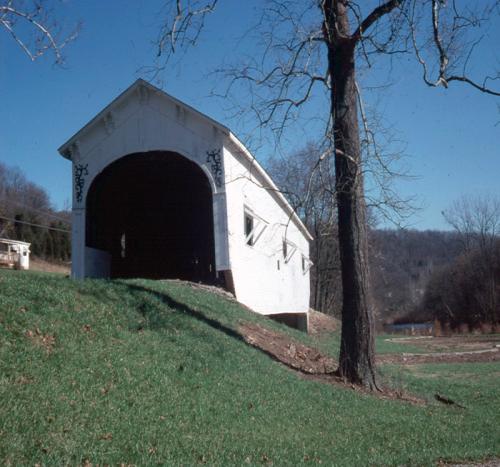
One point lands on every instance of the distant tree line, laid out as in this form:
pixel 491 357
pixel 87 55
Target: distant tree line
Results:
pixel 468 290
pixel 402 262
pixel 26 214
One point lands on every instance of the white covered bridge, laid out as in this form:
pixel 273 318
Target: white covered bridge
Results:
pixel 163 191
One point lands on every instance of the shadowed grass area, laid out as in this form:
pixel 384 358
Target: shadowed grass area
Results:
pixel 143 372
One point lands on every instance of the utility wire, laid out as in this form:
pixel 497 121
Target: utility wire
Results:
pixel 45 213
pixel 35 225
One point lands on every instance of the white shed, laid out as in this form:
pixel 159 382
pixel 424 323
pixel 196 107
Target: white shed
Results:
pixel 163 191
pixel 14 254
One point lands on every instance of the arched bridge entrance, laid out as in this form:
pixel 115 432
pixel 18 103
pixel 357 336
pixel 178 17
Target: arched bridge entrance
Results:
pixel 152 214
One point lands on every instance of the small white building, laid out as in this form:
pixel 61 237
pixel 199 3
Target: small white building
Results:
pixel 14 254
pixel 163 191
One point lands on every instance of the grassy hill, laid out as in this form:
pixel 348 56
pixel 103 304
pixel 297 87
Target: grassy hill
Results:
pixel 142 372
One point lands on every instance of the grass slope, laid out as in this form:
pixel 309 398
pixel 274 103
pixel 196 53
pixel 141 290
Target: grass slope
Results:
pixel 142 372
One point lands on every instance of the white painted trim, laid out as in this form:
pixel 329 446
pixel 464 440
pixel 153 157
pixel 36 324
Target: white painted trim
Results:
pixel 260 225
pixel 64 149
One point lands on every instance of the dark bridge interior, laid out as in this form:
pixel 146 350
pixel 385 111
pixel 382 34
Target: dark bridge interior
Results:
pixel 152 212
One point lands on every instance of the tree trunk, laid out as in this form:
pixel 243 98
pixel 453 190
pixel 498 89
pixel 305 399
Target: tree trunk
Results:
pixel 357 355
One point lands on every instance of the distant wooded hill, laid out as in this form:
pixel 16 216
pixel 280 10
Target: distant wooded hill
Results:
pixel 401 263
pixel 27 214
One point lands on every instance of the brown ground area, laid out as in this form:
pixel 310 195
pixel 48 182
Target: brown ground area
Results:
pixel 490 355
pixel 288 351
pixel 453 349
pixel 310 361
pixel 319 323
pixel 311 364
pixel 460 343
pixel 37 264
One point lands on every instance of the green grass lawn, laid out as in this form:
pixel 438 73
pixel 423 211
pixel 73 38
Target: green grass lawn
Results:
pixel 143 372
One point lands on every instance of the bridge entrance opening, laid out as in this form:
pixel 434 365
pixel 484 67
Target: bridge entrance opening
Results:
pixel 151 215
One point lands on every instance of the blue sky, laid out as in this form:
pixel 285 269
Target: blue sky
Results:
pixel 451 140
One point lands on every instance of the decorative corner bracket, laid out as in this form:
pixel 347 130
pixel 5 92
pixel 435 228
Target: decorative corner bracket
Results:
pixel 214 159
pixel 81 171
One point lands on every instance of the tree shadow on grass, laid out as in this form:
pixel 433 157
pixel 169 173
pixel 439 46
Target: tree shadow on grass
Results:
pixel 157 324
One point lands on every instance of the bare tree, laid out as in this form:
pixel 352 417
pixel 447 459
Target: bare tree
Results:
pixel 466 291
pixel 477 220
pixel 309 50
pixel 33 27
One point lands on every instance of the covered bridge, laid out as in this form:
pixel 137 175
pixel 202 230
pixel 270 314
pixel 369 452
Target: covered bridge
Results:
pixel 163 191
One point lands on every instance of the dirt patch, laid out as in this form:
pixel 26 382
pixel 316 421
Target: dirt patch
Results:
pixel 288 351
pixel 46 341
pixel 308 362
pixel 489 355
pixel 319 323
pixel 452 343
pixel 37 264
pixel 24 380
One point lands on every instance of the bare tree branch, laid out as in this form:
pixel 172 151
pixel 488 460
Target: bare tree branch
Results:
pixel 44 30
pixel 458 26
pixel 186 25
pixel 374 16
